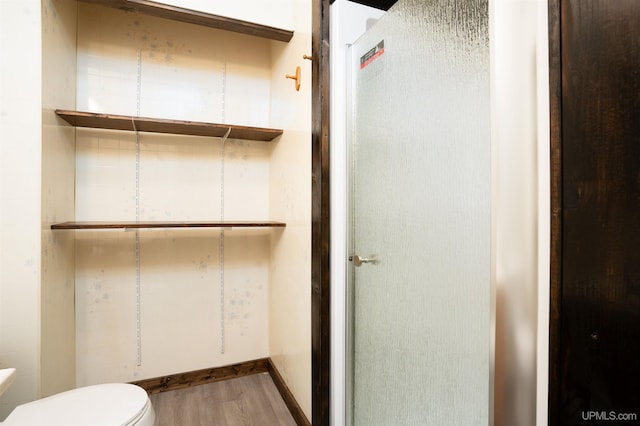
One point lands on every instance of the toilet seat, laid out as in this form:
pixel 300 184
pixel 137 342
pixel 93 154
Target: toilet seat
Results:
pixel 113 404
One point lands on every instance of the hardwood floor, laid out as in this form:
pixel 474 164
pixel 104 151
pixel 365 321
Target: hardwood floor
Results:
pixel 246 401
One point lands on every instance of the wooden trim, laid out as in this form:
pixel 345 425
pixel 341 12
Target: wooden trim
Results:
pixel 321 224
pixel 176 13
pixel 162 125
pixel 174 224
pixel 202 377
pixel 287 396
pixel 555 97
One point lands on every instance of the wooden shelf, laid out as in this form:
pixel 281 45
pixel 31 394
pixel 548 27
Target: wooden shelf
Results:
pixel 161 125
pixel 199 18
pixel 170 224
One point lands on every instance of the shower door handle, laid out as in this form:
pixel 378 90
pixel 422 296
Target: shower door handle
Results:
pixel 358 260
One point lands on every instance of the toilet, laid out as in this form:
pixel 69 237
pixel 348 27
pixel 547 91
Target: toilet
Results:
pixel 111 404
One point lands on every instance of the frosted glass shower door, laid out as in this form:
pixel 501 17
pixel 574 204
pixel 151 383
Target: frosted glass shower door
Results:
pixel 421 223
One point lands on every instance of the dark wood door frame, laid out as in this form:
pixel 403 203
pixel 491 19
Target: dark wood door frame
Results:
pixel 320 218
pixel 555 107
pixel 595 212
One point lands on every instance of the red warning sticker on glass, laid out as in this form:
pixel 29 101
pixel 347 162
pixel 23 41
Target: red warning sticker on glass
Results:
pixel 372 55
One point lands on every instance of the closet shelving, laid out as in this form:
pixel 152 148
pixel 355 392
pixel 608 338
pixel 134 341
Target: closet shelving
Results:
pixel 160 125
pixel 170 224
pixel 179 127
pixel 195 17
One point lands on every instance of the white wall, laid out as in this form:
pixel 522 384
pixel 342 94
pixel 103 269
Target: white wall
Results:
pixel 520 141
pixel 20 182
pixel 37 333
pixel 58 173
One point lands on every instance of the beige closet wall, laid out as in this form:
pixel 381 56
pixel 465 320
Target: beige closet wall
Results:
pixel 193 73
pixel 290 185
pixel 139 65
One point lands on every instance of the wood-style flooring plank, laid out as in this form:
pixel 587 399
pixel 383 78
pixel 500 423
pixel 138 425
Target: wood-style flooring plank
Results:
pixel 246 401
pixel 275 401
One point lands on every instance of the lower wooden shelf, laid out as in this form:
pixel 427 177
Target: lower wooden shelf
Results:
pixel 160 125
pixel 171 224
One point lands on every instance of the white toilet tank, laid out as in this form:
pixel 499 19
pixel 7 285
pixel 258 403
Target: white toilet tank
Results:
pixel 113 404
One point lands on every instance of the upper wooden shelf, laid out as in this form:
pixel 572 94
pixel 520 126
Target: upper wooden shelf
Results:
pixel 160 125
pixel 199 18
pixel 169 224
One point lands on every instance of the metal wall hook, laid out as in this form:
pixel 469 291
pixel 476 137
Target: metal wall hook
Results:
pixel 307 57
pixel 295 77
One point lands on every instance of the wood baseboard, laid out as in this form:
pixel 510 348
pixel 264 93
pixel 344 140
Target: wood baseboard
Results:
pixel 201 377
pixel 287 396
pixel 210 375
